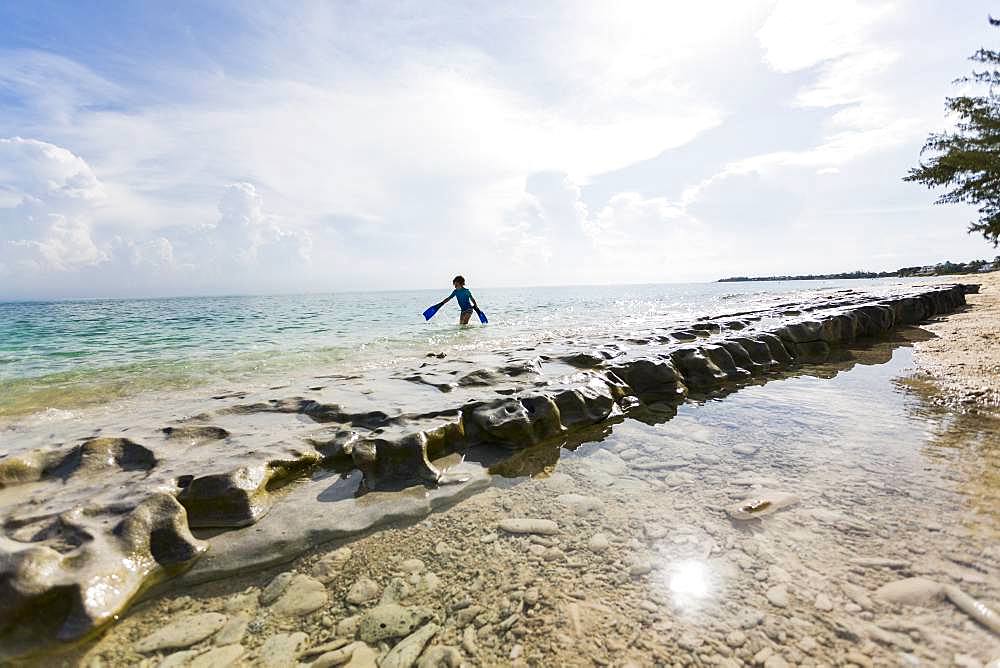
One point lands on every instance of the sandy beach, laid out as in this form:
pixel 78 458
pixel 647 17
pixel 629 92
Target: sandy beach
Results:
pixel 963 360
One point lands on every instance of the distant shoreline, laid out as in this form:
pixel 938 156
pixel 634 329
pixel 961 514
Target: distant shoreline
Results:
pixel 942 269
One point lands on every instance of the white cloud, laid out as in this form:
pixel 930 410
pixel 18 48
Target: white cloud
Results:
pixel 546 134
pixel 36 171
pixel 67 244
pixel 799 34
pixel 645 237
pixel 48 196
pixel 246 234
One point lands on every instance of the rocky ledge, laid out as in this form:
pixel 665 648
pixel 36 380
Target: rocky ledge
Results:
pixel 94 514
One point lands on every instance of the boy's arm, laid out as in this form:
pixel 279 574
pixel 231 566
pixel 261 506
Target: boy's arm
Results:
pixel 473 300
pixel 446 299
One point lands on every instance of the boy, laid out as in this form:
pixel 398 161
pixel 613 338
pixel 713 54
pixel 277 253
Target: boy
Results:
pixel 466 301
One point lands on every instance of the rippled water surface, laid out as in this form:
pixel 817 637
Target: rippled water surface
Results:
pixel 66 354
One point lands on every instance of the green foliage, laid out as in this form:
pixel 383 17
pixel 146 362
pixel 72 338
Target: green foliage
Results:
pixel 967 160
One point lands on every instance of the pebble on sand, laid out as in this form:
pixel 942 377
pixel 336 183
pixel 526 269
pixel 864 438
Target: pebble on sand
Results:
pixel 220 657
pixel 390 621
pixel 529 526
pixel 182 633
pixel 407 650
pixel 362 591
pixel 304 595
pixel 778 596
pixel 911 591
pixel 276 587
pixel 280 650
pixel 598 543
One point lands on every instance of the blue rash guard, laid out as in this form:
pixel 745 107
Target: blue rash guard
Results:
pixel 464 297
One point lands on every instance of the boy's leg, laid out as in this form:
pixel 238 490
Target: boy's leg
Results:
pixel 464 318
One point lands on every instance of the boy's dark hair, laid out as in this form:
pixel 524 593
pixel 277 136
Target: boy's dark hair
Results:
pixel 458 279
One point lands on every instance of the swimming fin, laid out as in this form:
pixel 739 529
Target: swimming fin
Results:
pixel 429 313
pixel 482 317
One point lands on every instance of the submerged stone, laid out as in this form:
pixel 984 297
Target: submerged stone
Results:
pixel 911 591
pixel 529 526
pixel 182 633
pixel 390 621
pixel 304 595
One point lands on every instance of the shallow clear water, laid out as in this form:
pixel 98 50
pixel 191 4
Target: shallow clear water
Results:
pixel 65 354
pixel 887 484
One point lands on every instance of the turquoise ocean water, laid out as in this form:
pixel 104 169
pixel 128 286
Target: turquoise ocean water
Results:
pixel 66 354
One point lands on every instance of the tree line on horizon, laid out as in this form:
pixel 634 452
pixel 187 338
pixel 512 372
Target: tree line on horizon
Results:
pixel 940 269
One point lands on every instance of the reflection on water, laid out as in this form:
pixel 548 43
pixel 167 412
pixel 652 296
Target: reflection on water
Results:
pixel 688 581
pixel 886 486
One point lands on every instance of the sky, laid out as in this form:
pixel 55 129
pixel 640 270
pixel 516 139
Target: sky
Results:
pixel 184 148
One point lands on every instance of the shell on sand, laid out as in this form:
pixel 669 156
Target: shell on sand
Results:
pixel 762 503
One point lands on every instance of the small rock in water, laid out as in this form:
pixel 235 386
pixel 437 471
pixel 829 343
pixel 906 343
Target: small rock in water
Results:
pixel 412 566
pixel 736 639
pixel 536 526
pixel 390 621
pixel 857 594
pixel 348 627
pixel 598 543
pixel 182 633
pixel 640 568
pixel 745 450
pixel 580 504
pixel 276 587
pixel 326 647
pixel 281 650
pixel 858 659
pixel 363 657
pixel 245 602
pixel 336 657
pixel 330 566
pixel 469 640
pixel 808 644
pixel 775 661
pixel 430 582
pixel 406 652
pixel 220 657
pixel 396 591
pixel 823 603
pixel 762 504
pixel 178 659
pixel 234 630
pixel 466 615
pixel 362 591
pixel 655 531
pixel 303 595
pixel 440 656
pixel 778 596
pixel 911 591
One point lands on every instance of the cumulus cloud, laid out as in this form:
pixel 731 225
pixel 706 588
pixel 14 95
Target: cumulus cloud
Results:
pixel 48 197
pixel 247 235
pixel 51 198
pixel 648 237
